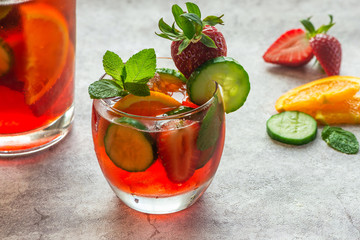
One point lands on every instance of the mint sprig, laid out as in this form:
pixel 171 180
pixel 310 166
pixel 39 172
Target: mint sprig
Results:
pixel 131 77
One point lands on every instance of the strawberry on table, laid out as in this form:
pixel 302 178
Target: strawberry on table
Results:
pixel 177 149
pixel 291 49
pixel 198 41
pixel 297 47
pixel 326 48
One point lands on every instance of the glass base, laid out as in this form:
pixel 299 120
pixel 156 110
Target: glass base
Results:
pixel 33 141
pixel 161 205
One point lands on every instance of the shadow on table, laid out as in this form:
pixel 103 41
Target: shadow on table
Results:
pixel 307 73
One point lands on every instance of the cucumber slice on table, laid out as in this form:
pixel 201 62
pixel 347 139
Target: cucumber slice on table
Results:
pixel 292 127
pixel 229 74
pixel 128 147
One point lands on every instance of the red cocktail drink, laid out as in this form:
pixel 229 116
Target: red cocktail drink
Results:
pixel 154 162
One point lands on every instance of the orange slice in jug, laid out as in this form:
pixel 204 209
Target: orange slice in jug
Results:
pixel 46 40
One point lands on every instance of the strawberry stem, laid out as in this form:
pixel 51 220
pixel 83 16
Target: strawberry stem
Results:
pixel 311 31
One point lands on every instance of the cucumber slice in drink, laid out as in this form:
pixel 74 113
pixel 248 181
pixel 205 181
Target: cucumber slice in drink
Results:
pixel 171 75
pixel 229 74
pixel 128 147
pixel 292 127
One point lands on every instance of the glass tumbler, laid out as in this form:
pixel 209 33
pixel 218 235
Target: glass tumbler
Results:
pixel 37 63
pixel 130 147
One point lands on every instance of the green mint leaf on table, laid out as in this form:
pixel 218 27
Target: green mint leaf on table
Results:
pixel 141 67
pixel 113 65
pixel 105 88
pixel 138 89
pixel 340 139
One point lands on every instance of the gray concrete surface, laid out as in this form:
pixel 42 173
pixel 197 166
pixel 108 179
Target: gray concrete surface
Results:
pixel 262 190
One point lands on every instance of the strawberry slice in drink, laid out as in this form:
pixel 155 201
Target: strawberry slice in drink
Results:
pixel 177 149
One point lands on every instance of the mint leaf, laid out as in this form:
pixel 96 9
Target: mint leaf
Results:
pixel 113 65
pixel 137 89
pixel 140 67
pixel 340 139
pixel 105 88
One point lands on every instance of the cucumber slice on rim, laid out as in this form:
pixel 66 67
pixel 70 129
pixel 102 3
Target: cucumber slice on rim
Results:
pixel 229 74
pixel 292 127
pixel 171 74
pixel 128 147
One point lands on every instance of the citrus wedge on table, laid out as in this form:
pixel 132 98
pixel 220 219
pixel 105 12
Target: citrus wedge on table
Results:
pixel 47 39
pixel 156 103
pixel 347 111
pixel 315 94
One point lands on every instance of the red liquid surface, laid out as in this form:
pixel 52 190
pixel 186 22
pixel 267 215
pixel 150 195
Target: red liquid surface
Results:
pixel 27 37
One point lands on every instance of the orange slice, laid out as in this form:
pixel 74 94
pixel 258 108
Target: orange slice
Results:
pixel 47 40
pixel 344 112
pixel 156 104
pixel 314 94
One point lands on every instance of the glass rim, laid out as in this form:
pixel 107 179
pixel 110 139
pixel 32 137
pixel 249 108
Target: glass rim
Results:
pixel 175 116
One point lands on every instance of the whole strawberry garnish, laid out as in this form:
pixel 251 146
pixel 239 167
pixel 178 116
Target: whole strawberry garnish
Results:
pixel 198 41
pixel 326 48
pixel 291 49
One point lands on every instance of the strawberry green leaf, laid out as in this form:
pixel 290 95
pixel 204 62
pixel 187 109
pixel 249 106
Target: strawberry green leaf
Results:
pixel 165 28
pixel 192 17
pixel 141 66
pixel 213 20
pixel 207 41
pixel 308 25
pixel 105 88
pixel 177 11
pixel 113 65
pixel 187 27
pixel 137 89
pixel 193 8
pixel 183 45
pixel 163 35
